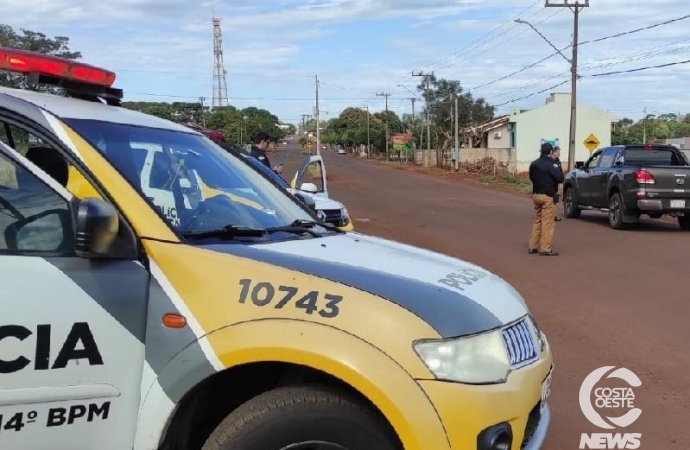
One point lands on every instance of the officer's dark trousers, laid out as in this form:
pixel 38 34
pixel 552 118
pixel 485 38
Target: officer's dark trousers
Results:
pixel 543 225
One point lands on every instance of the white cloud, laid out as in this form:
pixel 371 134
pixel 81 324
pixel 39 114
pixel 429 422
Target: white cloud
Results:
pixel 273 48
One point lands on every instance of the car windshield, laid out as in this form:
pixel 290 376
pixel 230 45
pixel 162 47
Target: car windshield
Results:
pixel 196 185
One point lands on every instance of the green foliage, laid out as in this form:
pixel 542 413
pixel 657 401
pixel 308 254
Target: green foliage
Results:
pixel 356 126
pixel 440 102
pixel 665 126
pixel 35 42
pixel 239 125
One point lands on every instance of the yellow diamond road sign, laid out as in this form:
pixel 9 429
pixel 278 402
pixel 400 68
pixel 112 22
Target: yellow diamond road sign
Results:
pixel 591 142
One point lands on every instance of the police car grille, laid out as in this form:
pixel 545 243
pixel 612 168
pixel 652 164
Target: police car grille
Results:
pixel 520 344
pixel 334 216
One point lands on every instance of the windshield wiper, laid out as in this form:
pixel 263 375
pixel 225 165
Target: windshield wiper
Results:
pixel 312 224
pixel 228 231
pixel 296 227
pixel 233 231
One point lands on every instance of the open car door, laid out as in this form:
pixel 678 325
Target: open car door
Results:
pixel 311 176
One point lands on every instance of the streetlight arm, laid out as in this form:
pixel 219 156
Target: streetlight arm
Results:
pixel 545 38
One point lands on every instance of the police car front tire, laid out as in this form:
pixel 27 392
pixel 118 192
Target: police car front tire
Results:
pixel 288 416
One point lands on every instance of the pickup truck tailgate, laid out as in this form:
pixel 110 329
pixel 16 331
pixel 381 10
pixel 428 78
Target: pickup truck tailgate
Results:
pixel 671 185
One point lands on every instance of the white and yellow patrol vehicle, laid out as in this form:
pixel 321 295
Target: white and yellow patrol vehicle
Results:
pixel 223 326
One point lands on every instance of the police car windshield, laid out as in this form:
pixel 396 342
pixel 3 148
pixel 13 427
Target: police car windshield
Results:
pixel 196 185
pixel 268 172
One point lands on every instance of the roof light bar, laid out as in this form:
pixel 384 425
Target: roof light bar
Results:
pixel 22 61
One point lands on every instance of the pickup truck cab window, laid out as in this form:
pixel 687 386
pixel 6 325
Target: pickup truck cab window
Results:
pixel 653 156
pixel 607 157
pixel 594 160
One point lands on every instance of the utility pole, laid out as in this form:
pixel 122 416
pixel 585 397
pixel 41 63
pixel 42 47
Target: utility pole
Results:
pixel 203 112
pixel 385 95
pixel 457 135
pixel 316 113
pixel 428 121
pixel 304 123
pixel 413 100
pixel 644 127
pixel 368 133
pixel 575 6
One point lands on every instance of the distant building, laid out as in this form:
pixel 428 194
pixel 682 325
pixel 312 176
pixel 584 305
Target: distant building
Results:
pixel 516 138
pixel 682 143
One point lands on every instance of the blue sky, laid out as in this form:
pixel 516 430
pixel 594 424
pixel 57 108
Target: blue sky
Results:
pixel 162 50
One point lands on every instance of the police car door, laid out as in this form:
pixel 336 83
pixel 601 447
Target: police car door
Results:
pixel 312 170
pixel 71 329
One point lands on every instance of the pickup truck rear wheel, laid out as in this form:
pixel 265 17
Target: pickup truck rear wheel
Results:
pixel 570 209
pixel 684 222
pixel 302 418
pixel 616 211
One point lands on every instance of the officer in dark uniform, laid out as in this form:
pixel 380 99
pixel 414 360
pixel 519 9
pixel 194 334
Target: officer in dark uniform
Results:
pixel 545 174
pixel 258 151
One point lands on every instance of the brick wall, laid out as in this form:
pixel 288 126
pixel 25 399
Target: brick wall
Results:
pixel 502 155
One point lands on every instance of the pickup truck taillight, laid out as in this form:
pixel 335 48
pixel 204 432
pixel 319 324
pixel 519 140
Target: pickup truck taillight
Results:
pixel 643 177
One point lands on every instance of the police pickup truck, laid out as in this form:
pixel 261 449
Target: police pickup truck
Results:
pixel 629 181
pixel 238 322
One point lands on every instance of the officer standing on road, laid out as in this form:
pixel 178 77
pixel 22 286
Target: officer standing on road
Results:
pixel 258 151
pixel 545 174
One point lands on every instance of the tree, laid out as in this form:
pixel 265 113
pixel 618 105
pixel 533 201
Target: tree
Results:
pixel 35 42
pixel 355 127
pixel 440 103
pixel 651 127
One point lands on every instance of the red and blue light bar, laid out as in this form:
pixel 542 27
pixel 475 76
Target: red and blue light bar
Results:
pixel 25 62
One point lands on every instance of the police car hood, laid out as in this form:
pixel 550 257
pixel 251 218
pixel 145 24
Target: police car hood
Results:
pixel 454 297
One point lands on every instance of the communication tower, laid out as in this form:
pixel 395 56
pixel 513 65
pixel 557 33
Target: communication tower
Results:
pixel 220 87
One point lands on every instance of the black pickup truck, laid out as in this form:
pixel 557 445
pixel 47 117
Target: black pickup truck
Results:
pixel 629 181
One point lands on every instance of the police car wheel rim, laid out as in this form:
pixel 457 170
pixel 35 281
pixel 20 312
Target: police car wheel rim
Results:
pixel 314 445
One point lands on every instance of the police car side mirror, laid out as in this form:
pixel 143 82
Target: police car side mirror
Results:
pixel 97 225
pixel 309 187
pixel 307 200
pixel 579 165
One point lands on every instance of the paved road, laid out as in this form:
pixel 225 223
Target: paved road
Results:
pixel 613 298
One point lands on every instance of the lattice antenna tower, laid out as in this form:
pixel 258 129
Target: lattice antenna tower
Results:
pixel 220 87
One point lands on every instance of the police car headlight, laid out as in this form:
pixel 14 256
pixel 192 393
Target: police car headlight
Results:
pixel 477 359
pixel 345 215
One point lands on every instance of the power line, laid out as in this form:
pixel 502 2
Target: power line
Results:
pixel 634 56
pixel 286 99
pixel 639 69
pixel 471 44
pixel 533 94
pixel 637 30
pixel 455 60
pixel 603 38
